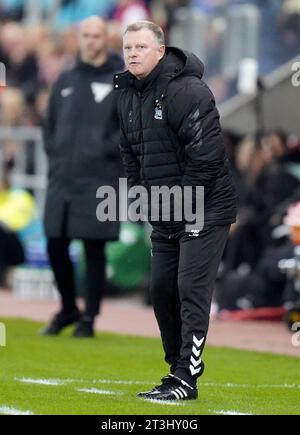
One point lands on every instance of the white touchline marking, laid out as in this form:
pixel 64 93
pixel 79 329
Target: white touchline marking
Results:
pixel 107 381
pixel 7 410
pixel 96 391
pixel 230 385
pixel 230 413
pixel 93 381
pixel 132 382
pixel 163 402
pixel 201 384
pixel 55 382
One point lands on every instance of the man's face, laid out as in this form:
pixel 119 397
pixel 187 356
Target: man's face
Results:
pixel 142 52
pixel 92 40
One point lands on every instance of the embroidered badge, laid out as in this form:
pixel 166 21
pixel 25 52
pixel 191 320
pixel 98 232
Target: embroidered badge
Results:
pixel 158 114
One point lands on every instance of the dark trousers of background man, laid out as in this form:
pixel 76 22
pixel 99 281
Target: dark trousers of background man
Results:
pixel 184 271
pixel 63 269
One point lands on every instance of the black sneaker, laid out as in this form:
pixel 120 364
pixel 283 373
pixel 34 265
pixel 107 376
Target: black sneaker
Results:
pixel 60 321
pixel 171 388
pixel 84 329
pixel 157 389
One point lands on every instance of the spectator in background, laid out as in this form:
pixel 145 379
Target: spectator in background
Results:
pixel 69 42
pixel 289 24
pixel 129 11
pixel 171 7
pixel 52 60
pixel 12 9
pixel 81 137
pixel 21 64
pixel 209 7
pixel 73 11
pixel 40 106
pixel 251 277
pixel 12 107
pixel 266 183
pixel 12 114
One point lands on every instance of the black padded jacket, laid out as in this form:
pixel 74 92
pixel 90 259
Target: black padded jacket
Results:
pixel 171 135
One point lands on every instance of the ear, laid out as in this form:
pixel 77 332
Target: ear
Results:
pixel 161 50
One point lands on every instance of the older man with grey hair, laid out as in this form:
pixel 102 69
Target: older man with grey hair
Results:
pixel 171 137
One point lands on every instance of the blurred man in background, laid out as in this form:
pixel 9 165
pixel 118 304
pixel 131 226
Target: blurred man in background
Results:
pixel 81 140
pixel 21 63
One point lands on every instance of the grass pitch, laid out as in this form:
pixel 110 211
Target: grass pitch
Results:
pixel 63 375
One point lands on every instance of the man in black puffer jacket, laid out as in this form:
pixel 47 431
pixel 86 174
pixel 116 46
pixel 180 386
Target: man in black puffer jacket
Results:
pixel 171 136
pixel 81 135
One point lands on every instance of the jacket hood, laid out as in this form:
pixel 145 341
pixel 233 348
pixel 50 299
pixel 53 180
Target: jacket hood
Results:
pixel 181 62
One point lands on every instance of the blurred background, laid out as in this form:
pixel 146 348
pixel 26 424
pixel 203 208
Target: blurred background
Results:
pixel 250 50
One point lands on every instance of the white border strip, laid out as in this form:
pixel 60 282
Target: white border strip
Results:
pixel 8 410
pixel 229 413
pixel 164 402
pixel 54 382
pixel 230 385
pixel 107 381
pixel 96 391
pixel 67 381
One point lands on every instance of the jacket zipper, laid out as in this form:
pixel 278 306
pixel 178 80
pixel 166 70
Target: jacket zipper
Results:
pixel 142 137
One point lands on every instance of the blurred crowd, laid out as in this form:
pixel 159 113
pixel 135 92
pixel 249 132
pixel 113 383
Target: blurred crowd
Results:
pixel 266 168
pixel 267 175
pixel 35 55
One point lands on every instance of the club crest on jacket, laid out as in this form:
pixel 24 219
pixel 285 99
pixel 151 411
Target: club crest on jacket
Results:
pixel 158 114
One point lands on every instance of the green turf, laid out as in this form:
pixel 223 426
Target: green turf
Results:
pixel 239 381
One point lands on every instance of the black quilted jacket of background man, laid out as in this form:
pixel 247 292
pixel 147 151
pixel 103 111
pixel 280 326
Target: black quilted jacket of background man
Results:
pixel 81 136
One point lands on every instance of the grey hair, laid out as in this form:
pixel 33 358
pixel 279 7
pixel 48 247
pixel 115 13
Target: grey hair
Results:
pixel 154 28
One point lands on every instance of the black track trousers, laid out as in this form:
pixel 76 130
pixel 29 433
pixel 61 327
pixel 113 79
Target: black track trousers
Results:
pixel 184 271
